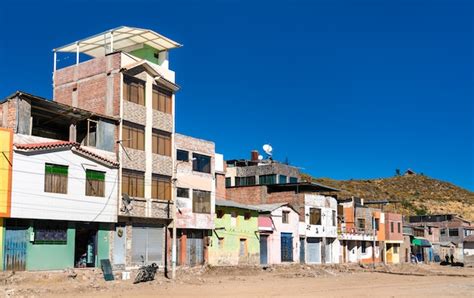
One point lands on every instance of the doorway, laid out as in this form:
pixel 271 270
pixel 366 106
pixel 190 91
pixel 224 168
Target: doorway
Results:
pixel 263 249
pixel 85 247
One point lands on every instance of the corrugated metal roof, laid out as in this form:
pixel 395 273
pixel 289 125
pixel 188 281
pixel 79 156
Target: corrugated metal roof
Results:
pixel 121 37
pixel 227 203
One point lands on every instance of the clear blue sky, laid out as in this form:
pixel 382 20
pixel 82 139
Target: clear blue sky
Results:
pixel 343 89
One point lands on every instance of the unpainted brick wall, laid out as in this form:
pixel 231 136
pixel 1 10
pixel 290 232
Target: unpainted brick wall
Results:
pixel 85 85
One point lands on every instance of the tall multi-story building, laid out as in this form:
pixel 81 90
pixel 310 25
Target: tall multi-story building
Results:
pixel 127 75
pixel 196 165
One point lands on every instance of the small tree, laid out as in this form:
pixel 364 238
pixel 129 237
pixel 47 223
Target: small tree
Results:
pixel 397 172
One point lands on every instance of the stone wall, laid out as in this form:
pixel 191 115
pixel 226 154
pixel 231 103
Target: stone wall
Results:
pixel 162 165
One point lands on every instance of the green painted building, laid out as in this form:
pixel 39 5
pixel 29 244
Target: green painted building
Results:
pixel 53 245
pixel 235 240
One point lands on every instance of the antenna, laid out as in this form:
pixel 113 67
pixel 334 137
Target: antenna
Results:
pixel 260 158
pixel 268 149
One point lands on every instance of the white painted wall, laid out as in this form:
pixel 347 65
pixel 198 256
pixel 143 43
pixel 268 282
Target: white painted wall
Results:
pixel 274 241
pixel 327 205
pixel 30 201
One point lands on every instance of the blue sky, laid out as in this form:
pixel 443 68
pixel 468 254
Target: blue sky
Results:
pixel 343 89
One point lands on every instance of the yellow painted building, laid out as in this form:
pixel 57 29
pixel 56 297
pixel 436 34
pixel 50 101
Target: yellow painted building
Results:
pixel 6 162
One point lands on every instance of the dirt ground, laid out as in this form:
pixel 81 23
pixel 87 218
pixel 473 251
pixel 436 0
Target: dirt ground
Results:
pixel 285 280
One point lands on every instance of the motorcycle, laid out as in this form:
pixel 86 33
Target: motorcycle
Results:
pixel 146 273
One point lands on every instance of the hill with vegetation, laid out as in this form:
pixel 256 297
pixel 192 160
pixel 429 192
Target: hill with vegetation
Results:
pixel 409 194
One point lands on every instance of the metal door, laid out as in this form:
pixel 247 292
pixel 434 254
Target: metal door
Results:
pixel 120 242
pixel 16 239
pixel 286 247
pixel 263 249
pixel 302 252
pixel 194 248
pixel 314 250
pixel 147 245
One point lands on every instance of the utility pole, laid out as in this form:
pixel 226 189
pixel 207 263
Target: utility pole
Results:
pixel 375 236
pixel 173 244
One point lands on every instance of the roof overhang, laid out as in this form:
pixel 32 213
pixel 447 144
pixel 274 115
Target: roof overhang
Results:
pixel 152 70
pixel 301 187
pixel 118 39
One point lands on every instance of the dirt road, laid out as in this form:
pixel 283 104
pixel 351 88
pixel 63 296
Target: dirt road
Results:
pixel 280 281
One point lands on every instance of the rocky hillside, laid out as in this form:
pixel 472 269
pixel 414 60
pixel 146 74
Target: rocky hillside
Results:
pixel 415 194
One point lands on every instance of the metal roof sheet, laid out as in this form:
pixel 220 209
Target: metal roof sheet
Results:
pixel 120 38
pixel 227 203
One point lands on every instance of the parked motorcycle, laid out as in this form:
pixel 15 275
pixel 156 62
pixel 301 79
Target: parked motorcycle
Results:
pixel 146 273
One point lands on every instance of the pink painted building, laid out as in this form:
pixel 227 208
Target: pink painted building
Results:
pixel 278 229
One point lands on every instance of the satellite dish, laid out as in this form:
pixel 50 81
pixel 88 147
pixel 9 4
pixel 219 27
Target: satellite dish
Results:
pixel 268 149
pixel 260 157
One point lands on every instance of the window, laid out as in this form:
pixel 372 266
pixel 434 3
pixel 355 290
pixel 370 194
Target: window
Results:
pixel 95 183
pixel 242 181
pixel 133 137
pixel 267 179
pixel 228 182
pixel 430 231
pixel 133 183
pixel 282 179
pixel 134 91
pixel 201 201
pixel 91 137
pixel 361 223
pixel 391 227
pixel 334 218
pixel 182 155
pixel 399 227
pixel 201 163
pixel 247 215
pixel 285 217
pixel 162 101
pixel 377 224
pixel 182 192
pixel 443 232
pixel 314 216
pixel 363 247
pixel 395 249
pixel 50 232
pixel 453 232
pixel 55 178
pixel 161 143
pixel 293 180
pixel 161 188
pixel 220 213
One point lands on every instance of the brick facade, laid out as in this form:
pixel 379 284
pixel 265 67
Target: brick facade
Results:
pixel 93 85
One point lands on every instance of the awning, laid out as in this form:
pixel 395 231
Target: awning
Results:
pixel 422 242
pixel 119 38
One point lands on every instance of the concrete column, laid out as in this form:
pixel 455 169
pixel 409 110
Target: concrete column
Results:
pixel 148 141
